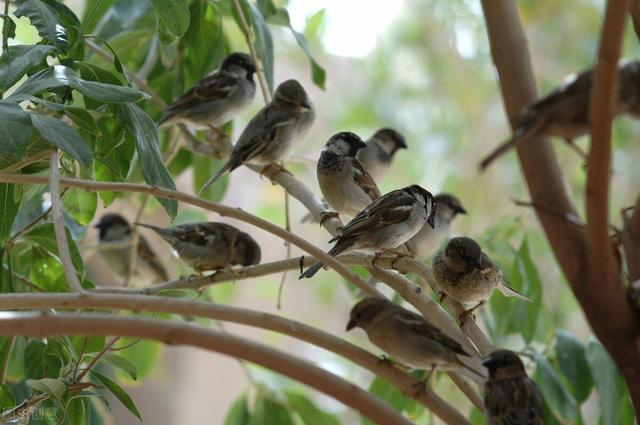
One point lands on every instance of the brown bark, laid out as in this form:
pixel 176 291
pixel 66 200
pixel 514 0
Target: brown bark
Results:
pixel 584 256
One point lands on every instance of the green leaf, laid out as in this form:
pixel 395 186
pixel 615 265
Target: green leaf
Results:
pixel 62 76
pixel 38 363
pixel 8 27
pixel 270 411
pixel 609 383
pixel 18 60
pixel 203 169
pixel 555 393
pixel 9 205
pixel 44 236
pixel 145 355
pixel 308 411
pixel 174 15
pixel 83 120
pixel 573 364
pixel 389 394
pixel 45 20
pixel 15 130
pixel 62 135
pixel 239 412
pixel 81 205
pixel 77 412
pixel 54 388
pixel 318 74
pixel 122 364
pixel 145 133
pixel 94 344
pixel 118 392
pixel 7 399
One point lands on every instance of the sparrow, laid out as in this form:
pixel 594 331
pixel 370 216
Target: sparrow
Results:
pixel 270 136
pixel 510 396
pixel 424 243
pixel 385 224
pixel 467 275
pixel 407 336
pixel 115 229
pixel 381 148
pixel 217 98
pixel 210 246
pixel 565 111
pixel 345 183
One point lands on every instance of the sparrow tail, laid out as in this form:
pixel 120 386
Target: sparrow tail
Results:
pixel 508 291
pixel 311 271
pixel 213 179
pixel 475 375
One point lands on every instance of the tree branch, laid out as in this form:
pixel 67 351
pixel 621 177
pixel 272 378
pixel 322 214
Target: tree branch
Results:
pixel 172 333
pixel 58 224
pixel 223 210
pixel 271 322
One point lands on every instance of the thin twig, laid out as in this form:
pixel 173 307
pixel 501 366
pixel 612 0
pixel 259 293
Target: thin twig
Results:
pixel 59 226
pixel 37 157
pixel 97 358
pixel 287 224
pixel 254 56
pixel 6 359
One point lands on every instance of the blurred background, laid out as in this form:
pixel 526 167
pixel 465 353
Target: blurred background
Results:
pixel 423 68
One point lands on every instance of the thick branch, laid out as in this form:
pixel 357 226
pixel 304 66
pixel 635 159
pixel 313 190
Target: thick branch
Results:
pixel 58 224
pixel 172 333
pixel 619 332
pixel 223 210
pixel 243 316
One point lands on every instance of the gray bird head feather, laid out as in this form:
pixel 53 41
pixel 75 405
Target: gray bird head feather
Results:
pixel 463 250
pixel 291 95
pixel 345 143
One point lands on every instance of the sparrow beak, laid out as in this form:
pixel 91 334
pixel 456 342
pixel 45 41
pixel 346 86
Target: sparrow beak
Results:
pixel 305 105
pixel 460 210
pixel 477 265
pixel 488 361
pixel 352 324
pixel 431 221
pixel 360 145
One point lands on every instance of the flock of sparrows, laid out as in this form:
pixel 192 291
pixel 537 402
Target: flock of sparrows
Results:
pixel 407 221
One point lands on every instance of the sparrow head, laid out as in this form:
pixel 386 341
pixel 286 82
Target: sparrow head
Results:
pixel 345 144
pixel 363 313
pixel 427 199
pixel 247 250
pixel 504 364
pixel 239 64
pixel 292 95
pixel 113 227
pixel 390 140
pixel 448 206
pixel 463 251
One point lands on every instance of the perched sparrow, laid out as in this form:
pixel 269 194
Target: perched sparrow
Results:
pixel 217 98
pixel 427 240
pixel 510 397
pixel 466 274
pixel 115 229
pixel 270 136
pixel 345 183
pixel 407 336
pixel 381 148
pixel 385 224
pixel 565 111
pixel 210 246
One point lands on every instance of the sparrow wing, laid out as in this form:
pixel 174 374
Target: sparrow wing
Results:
pixel 364 180
pixel 145 252
pixel 424 329
pixel 514 401
pixel 211 88
pixel 394 207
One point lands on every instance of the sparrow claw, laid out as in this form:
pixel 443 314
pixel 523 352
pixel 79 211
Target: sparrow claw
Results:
pixel 375 258
pixel 328 215
pixel 468 314
pixel 399 256
pixel 384 360
pixel 272 170
pixel 220 135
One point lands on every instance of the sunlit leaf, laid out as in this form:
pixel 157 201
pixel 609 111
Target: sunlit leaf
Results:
pixel 7 399
pixel 45 20
pixel 308 411
pixel 174 15
pixel 17 60
pixel 239 412
pixel 54 388
pixel 38 363
pixel 555 393
pixel 123 364
pixel 144 130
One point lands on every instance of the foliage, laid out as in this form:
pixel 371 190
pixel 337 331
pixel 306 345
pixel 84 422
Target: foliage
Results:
pixel 71 90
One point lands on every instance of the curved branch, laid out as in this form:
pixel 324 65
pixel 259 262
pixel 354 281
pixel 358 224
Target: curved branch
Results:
pixel 187 334
pixel 223 210
pixel 243 316
pixel 58 224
